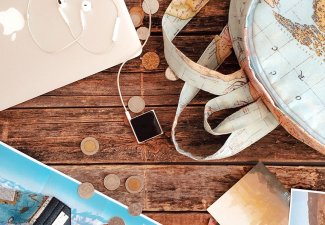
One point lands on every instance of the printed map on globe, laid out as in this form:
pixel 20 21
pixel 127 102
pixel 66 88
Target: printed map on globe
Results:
pixel 289 44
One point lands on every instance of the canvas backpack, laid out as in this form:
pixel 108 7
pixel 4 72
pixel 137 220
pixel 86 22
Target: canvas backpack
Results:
pixel 280 46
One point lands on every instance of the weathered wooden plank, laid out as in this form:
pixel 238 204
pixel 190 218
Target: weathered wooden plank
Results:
pixel 104 101
pixel 100 90
pixel 192 46
pixel 45 133
pixel 180 218
pixel 103 84
pixel 213 17
pixel 188 187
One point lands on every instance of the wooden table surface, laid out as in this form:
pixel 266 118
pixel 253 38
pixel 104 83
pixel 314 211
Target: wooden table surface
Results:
pixel 177 190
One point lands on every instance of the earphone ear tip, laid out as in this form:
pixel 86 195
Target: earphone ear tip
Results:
pixel 63 15
pixel 86 6
pixel 83 19
pixel 62 3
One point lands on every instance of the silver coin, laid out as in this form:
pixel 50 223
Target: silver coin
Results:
pixel 137 15
pixel 86 190
pixel 135 209
pixel 116 221
pixel 136 19
pixel 134 184
pixel 143 33
pixel 89 146
pixel 136 104
pixel 112 182
pixel 150 6
pixel 170 75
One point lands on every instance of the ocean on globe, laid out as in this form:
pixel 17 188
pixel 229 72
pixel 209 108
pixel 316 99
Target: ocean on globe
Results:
pixel 289 40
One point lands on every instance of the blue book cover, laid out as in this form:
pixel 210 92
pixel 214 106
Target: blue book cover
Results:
pixel 23 173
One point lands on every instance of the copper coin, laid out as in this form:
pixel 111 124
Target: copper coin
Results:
pixel 170 75
pixel 150 6
pixel 143 33
pixel 135 209
pixel 112 182
pixel 134 184
pixel 116 221
pixel 89 146
pixel 86 190
pixel 150 61
pixel 136 104
pixel 137 16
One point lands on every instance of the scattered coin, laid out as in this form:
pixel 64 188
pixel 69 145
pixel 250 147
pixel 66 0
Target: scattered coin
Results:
pixel 170 75
pixel 143 33
pixel 116 221
pixel 112 182
pixel 86 190
pixel 134 184
pixel 136 104
pixel 150 6
pixel 136 19
pixel 137 16
pixel 150 61
pixel 135 209
pixel 89 146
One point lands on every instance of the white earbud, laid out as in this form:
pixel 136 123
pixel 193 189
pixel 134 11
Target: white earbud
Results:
pixel 86 6
pixel 62 3
pixel 83 19
pixel 116 29
pixel 63 15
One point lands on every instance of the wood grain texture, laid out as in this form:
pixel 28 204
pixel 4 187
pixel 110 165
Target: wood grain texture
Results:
pixel 211 19
pixel 179 188
pixel 191 218
pixel 42 133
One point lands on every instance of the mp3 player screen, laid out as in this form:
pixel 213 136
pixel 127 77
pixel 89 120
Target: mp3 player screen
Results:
pixel 146 126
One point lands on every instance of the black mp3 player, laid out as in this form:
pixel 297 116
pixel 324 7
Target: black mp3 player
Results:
pixel 146 126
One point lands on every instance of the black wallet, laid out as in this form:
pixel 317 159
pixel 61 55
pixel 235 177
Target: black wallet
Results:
pixel 54 213
pixel 20 207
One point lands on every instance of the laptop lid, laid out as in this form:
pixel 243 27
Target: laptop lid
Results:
pixel 28 71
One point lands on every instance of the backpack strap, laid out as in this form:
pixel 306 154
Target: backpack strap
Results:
pixel 247 125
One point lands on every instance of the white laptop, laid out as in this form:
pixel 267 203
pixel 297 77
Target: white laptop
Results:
pixel 27 69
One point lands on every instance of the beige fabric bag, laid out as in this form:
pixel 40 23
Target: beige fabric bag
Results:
pixel 282 75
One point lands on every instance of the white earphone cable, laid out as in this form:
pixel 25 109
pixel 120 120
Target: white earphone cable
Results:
pixel 111 44
pixel 122 65
pixel 39 45
pixel 76 39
